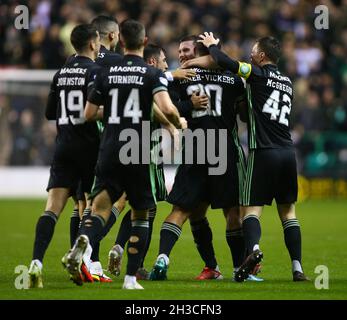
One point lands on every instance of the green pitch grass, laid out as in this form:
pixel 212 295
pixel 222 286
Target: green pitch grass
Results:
pixel 324 230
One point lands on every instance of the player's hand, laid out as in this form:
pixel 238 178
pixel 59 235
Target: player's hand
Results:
pixel 207 39
pixel 174 133
pixel 183 74
pixel 199 102
pixel 184 123
pixel 188 64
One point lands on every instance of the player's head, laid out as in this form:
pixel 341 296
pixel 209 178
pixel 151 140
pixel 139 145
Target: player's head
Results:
pixel 266 50
pixel 187 48
pixel 108 30
pixel 132 35
pixel 86 40
pixel 155 56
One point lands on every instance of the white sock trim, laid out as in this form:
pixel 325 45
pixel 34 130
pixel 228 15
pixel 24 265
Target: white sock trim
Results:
pixel 38 263
pixel 165 257
pixel 129 279
pixel 296 266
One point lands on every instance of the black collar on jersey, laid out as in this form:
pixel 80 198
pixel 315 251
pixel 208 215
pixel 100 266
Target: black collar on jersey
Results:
pixel 79 58
pixel 133 57
pixel 270 65
pixel 104 49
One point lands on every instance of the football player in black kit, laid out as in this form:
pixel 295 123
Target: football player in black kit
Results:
pixel 271 165
pixel 127 92
pixel 77 141
pixel 109 35
pixel 196 186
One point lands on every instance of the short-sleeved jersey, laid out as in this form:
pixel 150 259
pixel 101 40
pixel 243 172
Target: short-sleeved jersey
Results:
pixel 223 89
pixel 66 102
pixel 126 91
pixel 270 96
pixel 107 58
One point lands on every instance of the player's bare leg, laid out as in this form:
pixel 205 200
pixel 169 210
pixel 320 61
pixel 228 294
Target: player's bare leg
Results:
pixel 56 201
pixel 169 234
pixel 292 238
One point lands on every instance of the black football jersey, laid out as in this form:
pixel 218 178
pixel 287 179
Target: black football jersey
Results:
pixel 126 91
pixel 107 58
pixel 66 102
pixel 270 95
pixel 223 89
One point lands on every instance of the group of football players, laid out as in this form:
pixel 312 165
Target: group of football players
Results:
pixel 98 95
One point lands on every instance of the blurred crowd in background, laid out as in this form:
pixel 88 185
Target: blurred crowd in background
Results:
pixel 316 61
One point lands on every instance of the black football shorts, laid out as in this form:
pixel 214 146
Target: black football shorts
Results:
pixel 193 185
pixel 73 170
pixel 270 174
pixel 137 181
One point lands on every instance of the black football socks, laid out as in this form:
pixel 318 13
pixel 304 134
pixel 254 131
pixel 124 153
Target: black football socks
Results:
pixel 292 239
pixel 151 216
pixel 236 244
pixel 124 230
pixel 92 227
pixel 74 226
pixel 202 234
pixel 169 234
pixel 251 232
pixel 136 245
pixel 109 224
pixel 44 233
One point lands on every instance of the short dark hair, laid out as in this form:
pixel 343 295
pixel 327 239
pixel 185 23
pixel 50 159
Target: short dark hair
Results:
pixel 152 50
pixel 81 35
pixel 271 47
pixel 104 24
pixel 133 34
pixel 202 50
pixel 191 37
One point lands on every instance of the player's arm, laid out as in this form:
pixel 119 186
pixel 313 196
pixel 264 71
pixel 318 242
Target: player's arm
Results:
pixel 242 69
pixel 93 110
pixel 184 107
pixel 162 99
pixel 159 116
pixel 205 62
pixel 51 107
pixel 180 74
pixel 164 103
pixel 241 108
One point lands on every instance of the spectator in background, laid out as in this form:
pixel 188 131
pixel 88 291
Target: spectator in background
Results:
pixel 316 60
pixel 23 139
